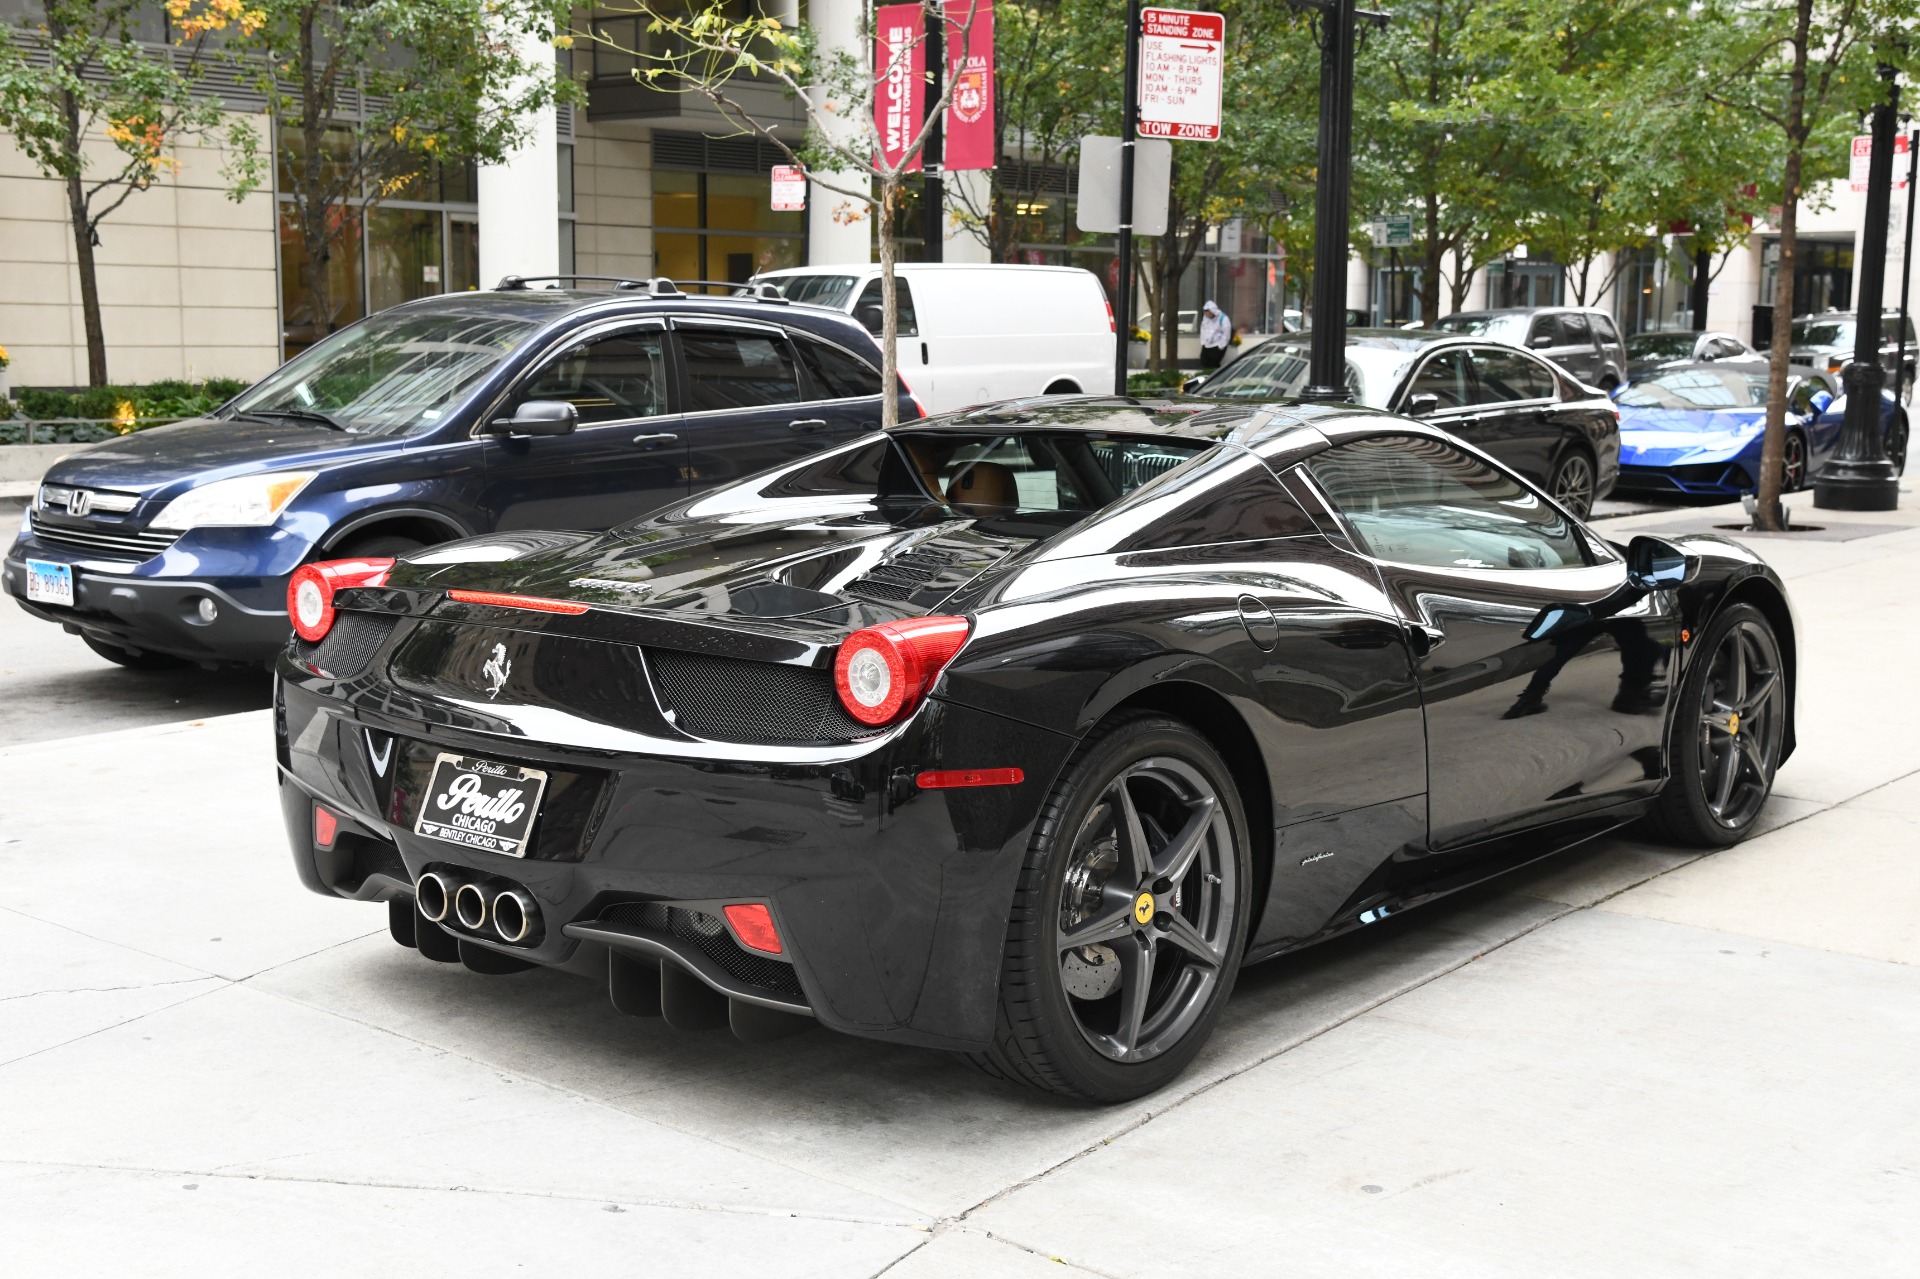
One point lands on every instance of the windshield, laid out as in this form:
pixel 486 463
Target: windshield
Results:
pixel 1662 346
pixel 391 373
pixel 1036 482
pixel 817 290
pixel 1823 332
pixel 1698 389
pixel 1273 374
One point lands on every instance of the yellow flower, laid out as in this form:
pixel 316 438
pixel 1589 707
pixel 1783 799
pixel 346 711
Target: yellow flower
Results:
pixel 123 416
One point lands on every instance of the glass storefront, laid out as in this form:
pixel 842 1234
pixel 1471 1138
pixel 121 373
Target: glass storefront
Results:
pixel 1524 281
pixel 722 226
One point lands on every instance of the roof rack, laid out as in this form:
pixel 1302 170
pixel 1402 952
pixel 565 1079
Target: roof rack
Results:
pixel 660 286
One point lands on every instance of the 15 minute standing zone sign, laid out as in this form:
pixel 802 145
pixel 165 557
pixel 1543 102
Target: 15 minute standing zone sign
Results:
pixel 1181 55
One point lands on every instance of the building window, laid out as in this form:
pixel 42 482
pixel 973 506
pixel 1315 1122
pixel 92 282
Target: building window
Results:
pixel 1524 281
pixel 568 212
pixel 721 226
pixel 421 240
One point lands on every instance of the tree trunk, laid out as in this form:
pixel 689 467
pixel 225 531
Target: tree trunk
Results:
pixel 1433 252
pixel 312 206
pixel 83 247
pixel 1767 513
pixel 890 317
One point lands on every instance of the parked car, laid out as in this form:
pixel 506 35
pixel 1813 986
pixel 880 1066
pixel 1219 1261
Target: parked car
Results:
pixel 1581 340
pixel 1649 351
pixel 972 333
pixel 1826 341
pixel 454 415
pixel 1018 732
pixel 1536 419
pixel 1698 429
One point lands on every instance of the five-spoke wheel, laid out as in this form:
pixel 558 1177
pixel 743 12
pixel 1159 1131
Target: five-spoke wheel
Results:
pixel 1130 919
pixel 1728 733
pixel 1572 483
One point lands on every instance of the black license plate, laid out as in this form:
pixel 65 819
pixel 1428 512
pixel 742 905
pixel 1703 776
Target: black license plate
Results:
pixel 481 805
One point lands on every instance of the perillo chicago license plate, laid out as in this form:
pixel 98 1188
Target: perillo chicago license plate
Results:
pixel 479 804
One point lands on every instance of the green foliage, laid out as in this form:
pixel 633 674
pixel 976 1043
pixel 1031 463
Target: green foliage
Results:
pixel 152 405
pixel 1158 380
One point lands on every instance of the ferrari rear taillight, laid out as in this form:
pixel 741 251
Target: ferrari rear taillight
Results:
pixel 753 925
pixel 311 589
pixel 882 671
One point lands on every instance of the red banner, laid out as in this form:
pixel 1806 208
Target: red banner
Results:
pixel 900 90
pixel 969 124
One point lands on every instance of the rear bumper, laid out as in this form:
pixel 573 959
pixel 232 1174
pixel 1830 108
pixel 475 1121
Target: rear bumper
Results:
pixel 160 615
pixel 891 902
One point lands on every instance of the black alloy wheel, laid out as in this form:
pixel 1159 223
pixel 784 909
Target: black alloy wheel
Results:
pixel 1130 917
pixel 1793 463
pixel 1572 482
pixel 1727 734
pixel 1896 441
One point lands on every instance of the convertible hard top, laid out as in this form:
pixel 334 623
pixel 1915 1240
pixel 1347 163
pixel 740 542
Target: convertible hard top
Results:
pixel 1186 416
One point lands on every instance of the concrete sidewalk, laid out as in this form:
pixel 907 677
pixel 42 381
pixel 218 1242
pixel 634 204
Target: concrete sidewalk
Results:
pixel 1633 1060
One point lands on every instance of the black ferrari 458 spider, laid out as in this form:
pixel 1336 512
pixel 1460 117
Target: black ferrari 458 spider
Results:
pixel 1016 732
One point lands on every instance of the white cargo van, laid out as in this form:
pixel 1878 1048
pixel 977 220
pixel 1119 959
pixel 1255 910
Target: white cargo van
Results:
pixel 972 333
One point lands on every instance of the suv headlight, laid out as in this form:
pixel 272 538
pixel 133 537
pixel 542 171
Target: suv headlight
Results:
pixel 247 500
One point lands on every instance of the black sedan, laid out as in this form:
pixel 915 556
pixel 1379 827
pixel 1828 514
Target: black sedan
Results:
pixel 1016 732
pixel 1527 412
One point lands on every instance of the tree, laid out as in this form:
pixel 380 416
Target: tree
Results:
pixel 1805 70
pixel 707 51
pixel 97 79
pixel 367 96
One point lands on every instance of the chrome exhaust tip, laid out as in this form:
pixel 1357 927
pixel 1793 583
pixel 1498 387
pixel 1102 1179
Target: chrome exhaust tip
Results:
pixel 470 906
pixel 515 917
pixel 433 896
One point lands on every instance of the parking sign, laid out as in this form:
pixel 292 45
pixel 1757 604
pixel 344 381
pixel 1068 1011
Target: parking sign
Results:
pixel 1181 56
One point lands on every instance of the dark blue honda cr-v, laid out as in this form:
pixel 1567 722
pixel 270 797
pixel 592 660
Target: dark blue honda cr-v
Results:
pixel 443 418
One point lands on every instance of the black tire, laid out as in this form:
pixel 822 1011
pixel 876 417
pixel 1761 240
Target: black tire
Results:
pixel 1574 480
pixel 1793 463
pixel 374 544
pixel 1897 443
pixel 141 661
pixel 1100 1043
pixel 1725 738
pixel 1062 388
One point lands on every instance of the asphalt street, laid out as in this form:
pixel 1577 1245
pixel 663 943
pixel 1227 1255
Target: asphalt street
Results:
pixel 1631 1060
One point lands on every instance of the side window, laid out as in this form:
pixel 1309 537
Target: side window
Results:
pixel 1573 330
pixel 1443 376
pixel 1604 330
pixel 1543 327
pixel 1252 507
pixel 868 310
pixel 1504 376
pixel 611 379
pixel 1422 501
pixel 1723 349
pixel 737 370
pixel 837 374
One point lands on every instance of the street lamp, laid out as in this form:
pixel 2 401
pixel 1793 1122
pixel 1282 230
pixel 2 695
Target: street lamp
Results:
pixel 1859 477
pixel 1327 358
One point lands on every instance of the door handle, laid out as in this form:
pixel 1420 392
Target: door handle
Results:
pixel 656 440
pixel 808 425
pixel 923 353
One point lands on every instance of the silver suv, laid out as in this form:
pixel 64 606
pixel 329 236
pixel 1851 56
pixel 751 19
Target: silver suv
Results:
pixel 1580 339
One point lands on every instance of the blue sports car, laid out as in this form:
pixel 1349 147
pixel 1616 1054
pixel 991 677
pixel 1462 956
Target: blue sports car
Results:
pixel 1696 429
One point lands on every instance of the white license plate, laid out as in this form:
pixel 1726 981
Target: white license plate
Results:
pixel 479 804
pixel 49 583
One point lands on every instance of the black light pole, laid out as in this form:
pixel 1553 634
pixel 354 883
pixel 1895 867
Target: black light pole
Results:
pixel 1129 134
pixel 1327 359
pixel 1906 266
pixel 933 156
pixel 1859 477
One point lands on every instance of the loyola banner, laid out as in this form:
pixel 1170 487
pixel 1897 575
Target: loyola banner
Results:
pixel 900 95
pixel 969 123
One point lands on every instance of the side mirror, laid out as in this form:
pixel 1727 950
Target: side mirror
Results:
pixel 872 318
pixel 1542 342
pixel 1422 404
pixel 1654 564
pixel 538 417
pixel 1820 401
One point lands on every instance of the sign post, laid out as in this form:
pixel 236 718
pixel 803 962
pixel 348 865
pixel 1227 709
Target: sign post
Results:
pixel 1129 133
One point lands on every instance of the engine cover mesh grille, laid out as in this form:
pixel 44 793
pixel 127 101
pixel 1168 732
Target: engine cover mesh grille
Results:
pixel 735 701
pixel 349 646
